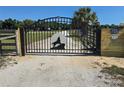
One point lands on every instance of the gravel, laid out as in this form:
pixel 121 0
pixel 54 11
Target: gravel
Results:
pixel 56 71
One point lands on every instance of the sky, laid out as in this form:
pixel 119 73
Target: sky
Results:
pixel 106 14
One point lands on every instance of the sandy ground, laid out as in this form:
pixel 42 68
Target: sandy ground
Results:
pixel 58 71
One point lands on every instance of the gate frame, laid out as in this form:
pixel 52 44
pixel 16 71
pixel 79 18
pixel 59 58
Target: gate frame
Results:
pixel 97 51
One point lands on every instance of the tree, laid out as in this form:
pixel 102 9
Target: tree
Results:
pixel 84 17
pixel 27 23
pixel 107 26
pixel 1 24
pixel 9 24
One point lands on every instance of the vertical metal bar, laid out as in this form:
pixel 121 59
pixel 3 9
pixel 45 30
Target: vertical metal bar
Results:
pixel 31 43
pixel 28 37
pixel 79 49
pixel 69 35
pixel 41 35
pixel 61 30
pixel 65 51
pixel 94 39
pixel 47 34
pixel 39 31
pixel 80 42
pixel 91 38
pixel 87 45
pixel 51 29
pixel 75 39
pixel 36 41
pixel 44 36
pixel 56 30
pixel 27 43
pixel 73 35
pixel 71 39
pixel 0 47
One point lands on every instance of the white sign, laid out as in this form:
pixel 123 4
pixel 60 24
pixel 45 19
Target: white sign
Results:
pixel 59 40
pixel 60 35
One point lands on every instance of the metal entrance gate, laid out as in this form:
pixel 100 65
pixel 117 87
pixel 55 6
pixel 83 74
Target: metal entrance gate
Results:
pixel 60 35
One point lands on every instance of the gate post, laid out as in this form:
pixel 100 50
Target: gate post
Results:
pixel 98 41
pixel 18 42
pixel 22 39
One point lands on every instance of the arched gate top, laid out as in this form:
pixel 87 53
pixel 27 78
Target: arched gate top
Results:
pixel 57 17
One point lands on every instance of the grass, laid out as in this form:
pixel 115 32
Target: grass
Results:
pixel 116 72
pixel 113 70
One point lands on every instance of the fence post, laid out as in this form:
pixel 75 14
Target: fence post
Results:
pixel 18 42
pixel 22 39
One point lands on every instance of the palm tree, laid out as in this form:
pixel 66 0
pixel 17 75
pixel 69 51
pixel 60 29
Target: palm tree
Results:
pixel 84 17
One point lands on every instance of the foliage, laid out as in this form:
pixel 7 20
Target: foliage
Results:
pixel 31 24
pixel 85 15
pixel 113 70
pixel 83 18
pixel 116 73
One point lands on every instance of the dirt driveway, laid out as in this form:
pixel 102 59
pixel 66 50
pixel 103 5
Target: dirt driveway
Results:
pixel 57 71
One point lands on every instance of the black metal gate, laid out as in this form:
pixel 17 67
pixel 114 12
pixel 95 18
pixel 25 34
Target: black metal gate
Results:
pixel 61 35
